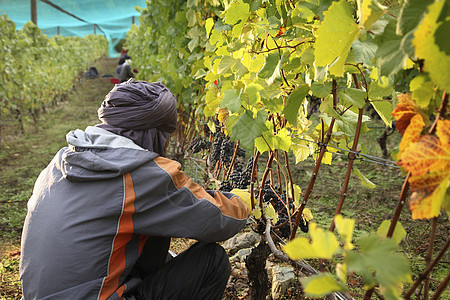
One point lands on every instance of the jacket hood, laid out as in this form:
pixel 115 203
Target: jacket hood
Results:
pixel 97 154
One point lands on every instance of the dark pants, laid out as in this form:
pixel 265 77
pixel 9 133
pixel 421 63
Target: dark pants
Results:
pixel 201 272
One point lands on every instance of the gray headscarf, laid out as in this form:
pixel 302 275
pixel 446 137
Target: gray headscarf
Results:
pixel 145 112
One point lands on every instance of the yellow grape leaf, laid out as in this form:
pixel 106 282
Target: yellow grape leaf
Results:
pixel 271 213
pixel 345 227
pixel 371 12
pixel 335 36
pixel 307 214
pixel 212 101
pixel 405 110
pixel 399 231
pixel 297 194
pixel 257 213
pixel 341 272
pixel 209 23
pixel 302 149
pixel 365 182
pixel 436 62
pixel 324 244
pixel 412 133
pixel 321 285
pixel 428 160
pixel 253 62
pixel 244 195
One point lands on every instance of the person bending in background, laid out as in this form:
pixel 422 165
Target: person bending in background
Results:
pixel 123 57
pixel 125 72
pixel 104 210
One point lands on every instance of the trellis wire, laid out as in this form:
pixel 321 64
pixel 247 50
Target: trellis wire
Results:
pixel 365 157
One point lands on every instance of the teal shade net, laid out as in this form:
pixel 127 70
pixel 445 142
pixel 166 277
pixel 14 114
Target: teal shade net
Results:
pixel 111 18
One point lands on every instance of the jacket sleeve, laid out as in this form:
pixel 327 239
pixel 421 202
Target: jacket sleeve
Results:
pixel 175 206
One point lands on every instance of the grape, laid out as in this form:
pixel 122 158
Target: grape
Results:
pixel 199 144
pixel 225 186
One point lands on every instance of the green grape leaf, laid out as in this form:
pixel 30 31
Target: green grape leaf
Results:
pixel 410 16
pixel 364 181
pixel 335 36
pixel 272 68
pixel 324 244
pixel 191 17
pixel 441 37
pixel 231 100
pixel 237 11
pixel 282 140
pixel 263 143
pixel 422 90
pixel 390 56
pixel 378 262
pixel 436 61
pixel 321 285
pixel 294 101
pixel 247 129
pixel 212 101
pixel 321 90
pixel 364 51
pixel 225 65
pixel 355 97
pixel 399 231
pixel 253 93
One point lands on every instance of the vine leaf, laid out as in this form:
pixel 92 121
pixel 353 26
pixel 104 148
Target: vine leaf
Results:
pixel 377 261
pixel 399 231
pixel 245 196
pixel 365 182
pixel 405 110
pixel 324 245
pixel 321 285
pixel 345 227
pixel 302 149
pixel 428 160
pixel 247 129
pixel 237 11
pixel 412 133
pixel 231 100
pixel 424 41
pixel 294 101
pixel 371 12
pixel 335 36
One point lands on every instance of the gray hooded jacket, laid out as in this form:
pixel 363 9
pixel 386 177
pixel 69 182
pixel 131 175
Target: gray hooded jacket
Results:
pixel 97 204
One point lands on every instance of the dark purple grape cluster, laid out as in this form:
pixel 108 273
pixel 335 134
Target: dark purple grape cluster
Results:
pixel 199 144
pixel 240 178
pixel 222 149
pixel 225 186
pixel 279 202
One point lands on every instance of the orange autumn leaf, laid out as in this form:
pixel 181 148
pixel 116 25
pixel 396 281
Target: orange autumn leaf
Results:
pixel 223 115
pixel 412 133
pixel 404 111
pixel 428 160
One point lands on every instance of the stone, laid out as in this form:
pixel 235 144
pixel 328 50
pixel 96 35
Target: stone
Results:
pixel 245 240
pixel 282 279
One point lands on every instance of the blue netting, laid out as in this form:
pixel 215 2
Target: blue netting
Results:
pixel 111 18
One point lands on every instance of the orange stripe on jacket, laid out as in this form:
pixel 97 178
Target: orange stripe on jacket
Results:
pixel 124 233
pixel 233 207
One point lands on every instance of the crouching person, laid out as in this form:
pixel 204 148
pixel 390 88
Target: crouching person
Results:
pixel 103 211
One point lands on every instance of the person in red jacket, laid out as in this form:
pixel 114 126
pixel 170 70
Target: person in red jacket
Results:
pixel 102 213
